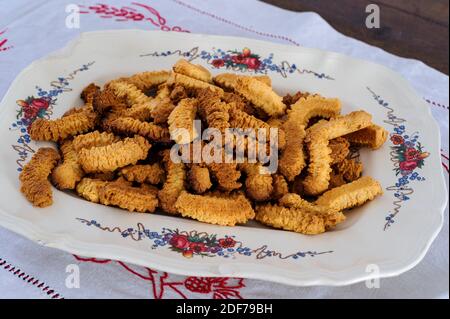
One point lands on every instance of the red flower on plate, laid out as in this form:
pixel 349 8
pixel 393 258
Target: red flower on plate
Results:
pixel 252 63
pixel 397 139
pixel 411 154
pixel 227 242
pixel 238 59
pixel 408 165
pixel 40 103
pixel 179 241
pixel 218 63
pixel 197 247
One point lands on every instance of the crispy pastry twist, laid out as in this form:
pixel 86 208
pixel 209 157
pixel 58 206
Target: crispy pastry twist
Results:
pixel 147 173
pixel 228 211
pixel 34 177
pixel 67 174
pixel 195 71
pixel 113 156
pixel 129 126
pixel 60 129
pixel 174 184
pixel 182 117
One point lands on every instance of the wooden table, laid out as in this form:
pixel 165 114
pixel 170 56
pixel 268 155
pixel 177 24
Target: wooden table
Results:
pixel 408 28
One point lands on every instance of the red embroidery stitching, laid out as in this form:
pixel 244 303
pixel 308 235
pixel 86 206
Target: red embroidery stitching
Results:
pixel 126 13
pixel 217 288
pixel 3 42
pixel 29 279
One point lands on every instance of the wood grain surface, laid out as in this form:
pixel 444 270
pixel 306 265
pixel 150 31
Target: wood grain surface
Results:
pixel 409 28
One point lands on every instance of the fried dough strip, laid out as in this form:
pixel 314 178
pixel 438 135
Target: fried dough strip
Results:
pixel 145 80
pixel 350 169
pixel 261 95
pixel 182 117
pixel 314 105
pixel 161 110
pixel 227 211
pixel 67 174
pixel 174 184
pixel 89 188
pixel 292 159
pixel 129 126
pixel 134 96
pixel 226 174
pixel 373 137
pixel 258 185
pixel 350 195
pixel 304 220
pixel 93 139
pixel 340 148
pixel 191 83
pixel 213 110
pixel 60 129
pixel 89 92
pixel 199 179
pixel 113 156
pixel 107 99
pixel 139 199
pixel 229 80
pixel 34 177
pixel 143 173
pixel 244 121
pixel 195 71
pixel 318 137
pixel 148 173
pixel 280 186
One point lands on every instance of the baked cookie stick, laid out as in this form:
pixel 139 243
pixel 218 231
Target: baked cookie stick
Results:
pixel 229 80
pixel 148 173
pixel 302 221
pixel 93 139
pixel 292 159
pixel 314 105
pixel 129 126
pixel 373 137
pixel 67 174
pixel 139 199
pixel 318 136
pixel 199 178
pixel 34 177
pixel 195 71
pixel 258 185
pixel 191 83
pixel 261 95
pixel 182 117
pixel 174 184
pixel 60 129
pixel 228 211
pixel 350 195
pixel 111 157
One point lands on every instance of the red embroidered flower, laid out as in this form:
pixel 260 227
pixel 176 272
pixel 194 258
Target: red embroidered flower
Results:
pixel 30 112
pixel 40 103
pixel 411 154
pixel 218 63
pixel 179 241
pixel 226 242
pixel 397 139
pixel 252 63
pixel 197 247
pixel 408 165
pixel 238 59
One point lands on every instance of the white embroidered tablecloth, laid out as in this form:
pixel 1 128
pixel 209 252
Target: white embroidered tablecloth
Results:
pixel 31 29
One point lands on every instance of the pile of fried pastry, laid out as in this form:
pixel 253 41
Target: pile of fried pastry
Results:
pixel 115 150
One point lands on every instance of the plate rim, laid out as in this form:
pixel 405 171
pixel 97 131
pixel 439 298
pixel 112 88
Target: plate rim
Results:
pixel 62 241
